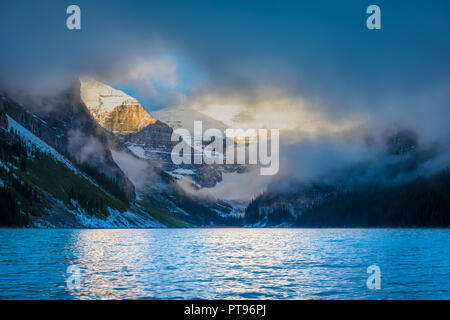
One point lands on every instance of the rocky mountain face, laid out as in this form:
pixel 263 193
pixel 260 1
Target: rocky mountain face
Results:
pixel 153 143
pixel 60 168
pixel 82 120
pixel 40 187
pixel 156 135
pixel 147 138
pixel 3 118
pixel 64 123
pixel 184 117
pixel 57 170
pixel 113 109
pixel 3 122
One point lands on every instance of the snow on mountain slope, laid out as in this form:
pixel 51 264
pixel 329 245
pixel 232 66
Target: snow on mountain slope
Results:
pixel 73 215
pixel 138 151
pixel 184 117
pixel 103 98
pixel 42 146
pixel 113 109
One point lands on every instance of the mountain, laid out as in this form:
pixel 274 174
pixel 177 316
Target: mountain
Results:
pixel 3 117
pixel 184 117
pixel 60 168
pixel 113 109
pixel 388 193
pixel 153 143
pixel 64 123
pixel 422 202
pixel 41 187
pixel 148 138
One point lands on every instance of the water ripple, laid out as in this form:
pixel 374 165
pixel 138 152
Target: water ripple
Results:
pixel 225 263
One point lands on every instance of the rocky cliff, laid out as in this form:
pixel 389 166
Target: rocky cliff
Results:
pixel 64 123
pixel 3 118
pixel 154 144
pixel 113 109
pixel 157 135
pixel 149 139
pixel 76 167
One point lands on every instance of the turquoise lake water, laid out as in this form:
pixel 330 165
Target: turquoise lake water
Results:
pixel 223 263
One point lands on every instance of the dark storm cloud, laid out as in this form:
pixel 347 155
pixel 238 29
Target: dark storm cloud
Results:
pixel 314 47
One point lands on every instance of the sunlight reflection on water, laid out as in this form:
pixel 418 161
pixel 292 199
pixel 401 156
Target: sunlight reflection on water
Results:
pixel 225 263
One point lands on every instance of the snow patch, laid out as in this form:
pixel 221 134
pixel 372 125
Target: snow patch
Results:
pixel 4 166
pixel 183 171
pixel 44 147
pixel 115 219
pixel 102 98
pixel 138 151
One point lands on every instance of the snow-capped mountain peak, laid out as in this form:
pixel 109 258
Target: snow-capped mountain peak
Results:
pixel 113 109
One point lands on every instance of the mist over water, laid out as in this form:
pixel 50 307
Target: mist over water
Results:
pixel 225 263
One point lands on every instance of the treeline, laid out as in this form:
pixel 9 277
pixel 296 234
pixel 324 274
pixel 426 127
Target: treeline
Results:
pixel 90 202
pixel 276 216
pixel 424 202
pixel 109 184
pixel 13 153
pixel 23 167
pixel 202 215
pixel 17 151
pixel 252 211
pixel 10 215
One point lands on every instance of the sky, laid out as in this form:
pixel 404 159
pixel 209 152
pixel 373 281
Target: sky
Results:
pixel 301 66
pixel 311 48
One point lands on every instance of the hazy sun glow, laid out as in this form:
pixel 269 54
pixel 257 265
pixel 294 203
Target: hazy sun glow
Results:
pixel 270 109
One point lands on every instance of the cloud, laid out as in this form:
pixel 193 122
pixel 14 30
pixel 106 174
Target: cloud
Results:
pixel 138 171
pixel 234 186
pixel 267 107
pixel 314 49
pixel 155 80
pixel 85 148
pixel 159 70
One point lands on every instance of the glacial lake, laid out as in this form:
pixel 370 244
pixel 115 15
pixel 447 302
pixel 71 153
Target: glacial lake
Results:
pixel 223 263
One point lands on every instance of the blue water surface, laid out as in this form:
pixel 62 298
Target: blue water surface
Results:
pixel 224 263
